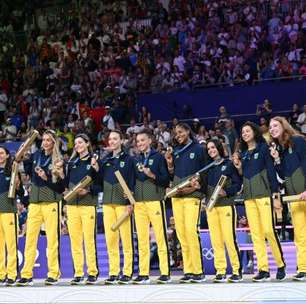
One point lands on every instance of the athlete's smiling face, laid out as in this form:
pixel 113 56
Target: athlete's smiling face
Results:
pixel 143 142
pixel 181 135
pixel 276 129
pixel 247 134
pixel 3 157
pixel 212 150
pixel 114 141
pixel 47 142
pixel 80 145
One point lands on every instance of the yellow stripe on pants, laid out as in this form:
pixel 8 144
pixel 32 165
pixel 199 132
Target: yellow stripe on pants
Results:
pixel 8 243
pixel 82 227
pixel 222 228
pixel 298 214
pixel 47 213
pixel 261 221
pixel 186 212
pixel 111 213
pixel 146 213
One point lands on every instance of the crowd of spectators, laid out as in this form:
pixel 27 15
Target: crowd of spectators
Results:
pixel 83 65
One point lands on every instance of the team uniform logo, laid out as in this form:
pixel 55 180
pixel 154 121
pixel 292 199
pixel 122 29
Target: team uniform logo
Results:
pixel 191 155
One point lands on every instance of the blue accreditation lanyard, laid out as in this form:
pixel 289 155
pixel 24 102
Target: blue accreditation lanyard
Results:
pixel 145 159
pixel 78 158
pixel 75 161
pixel 47 161
pixel 180 151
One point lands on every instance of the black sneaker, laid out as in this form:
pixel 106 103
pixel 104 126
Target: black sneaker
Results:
pixel 10 282
pixel 91 280
pixel 77 281
pixel 51 281
pixel 3 282
pixel 281 274
pixel 220 278
pixel 141 279
pixel 124 280
pixel 163 279
pixel 235 278
pixel 112 280
pixel 25 282
pixel 262 276
pixel 300 276
pixel 186 278
pixel 198 278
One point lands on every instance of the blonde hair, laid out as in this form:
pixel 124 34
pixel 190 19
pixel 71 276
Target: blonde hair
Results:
pixel 288 132
pixel 56 154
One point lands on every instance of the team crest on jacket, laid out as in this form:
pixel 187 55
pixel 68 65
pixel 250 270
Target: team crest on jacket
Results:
pixel 88 167
pixel 255 155
pixel 50 167
pixel 191 155
pixel 122 163
pixel 7 178
pixel 151 162
pixel 290 150
pixel 223 168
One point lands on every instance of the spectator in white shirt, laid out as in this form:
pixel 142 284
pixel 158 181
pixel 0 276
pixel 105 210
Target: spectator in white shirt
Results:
pixel 108 120
pixel 133 128
pixel 179 61
pixel 9 130
pixel 161 133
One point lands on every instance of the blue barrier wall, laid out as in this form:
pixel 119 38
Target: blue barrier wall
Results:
pixel 237 99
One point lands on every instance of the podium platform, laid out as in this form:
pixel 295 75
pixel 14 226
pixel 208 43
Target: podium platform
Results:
pixel 206 292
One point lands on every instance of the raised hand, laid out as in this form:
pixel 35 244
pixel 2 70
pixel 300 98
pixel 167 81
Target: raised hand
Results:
pixel 169 157
pixel 273 151
pixel 236 160
pixel 41 173
pixel 94 163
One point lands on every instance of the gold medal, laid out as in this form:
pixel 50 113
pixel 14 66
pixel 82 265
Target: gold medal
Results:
pixel 140 167
pixel 170 149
